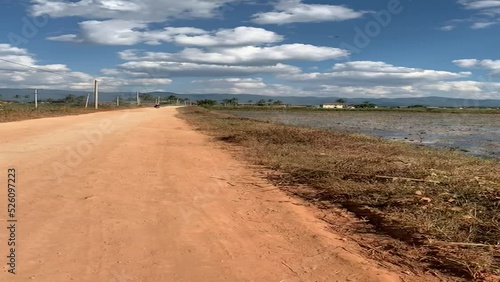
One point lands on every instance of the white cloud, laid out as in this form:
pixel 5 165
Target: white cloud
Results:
pixel 294 11
pixel 466 63
pixel 249 55
pixel 239 36
pixel 448 27
pixel 490 65
pixel 367 73
pixel 359 79
pixel 130 10
pixel 121 32
pixel 112 32
pixel 451 89
pixel 236 86
pixel 454 86
pixel 178 69
pixel 479 4
pixel 485 13
pixel 25 72
pixel 481 25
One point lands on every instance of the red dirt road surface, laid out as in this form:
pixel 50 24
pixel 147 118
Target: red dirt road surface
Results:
pixel 139 195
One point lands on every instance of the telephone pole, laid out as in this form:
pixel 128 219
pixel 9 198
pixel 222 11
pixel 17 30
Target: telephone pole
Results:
pixel 87 102
pixel 36 98
pixel 96 94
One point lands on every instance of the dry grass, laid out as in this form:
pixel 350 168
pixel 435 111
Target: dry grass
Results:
pixel 17 112
pixel 442 203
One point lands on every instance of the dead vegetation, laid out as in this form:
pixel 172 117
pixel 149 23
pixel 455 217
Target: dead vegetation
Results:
pixel 443 206
pixel 18 112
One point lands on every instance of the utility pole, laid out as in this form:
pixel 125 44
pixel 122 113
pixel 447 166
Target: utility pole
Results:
pixel 36 98
pixel 96 94
pixel 87 102
pixel 118 100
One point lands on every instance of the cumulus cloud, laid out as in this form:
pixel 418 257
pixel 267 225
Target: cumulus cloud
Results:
pixel 258 86
pixel 239 36
pixel 454 86
pixel 248 55
pixel 464 89
pixel 112 32
pixel 294 11
pixel 130 10
pixel 180 69
pixel 490 65
pixel 19 68
pixel 121 32
pixel 466 63
pixel 360 79
pixel 374 73
pixel 236 86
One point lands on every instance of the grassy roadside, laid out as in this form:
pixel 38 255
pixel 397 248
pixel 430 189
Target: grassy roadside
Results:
pixel 444 205
pixel 18 112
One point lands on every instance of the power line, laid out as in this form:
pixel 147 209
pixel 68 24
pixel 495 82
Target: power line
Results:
pixel 38 69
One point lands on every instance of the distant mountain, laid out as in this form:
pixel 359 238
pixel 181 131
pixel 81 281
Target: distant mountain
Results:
pixel 9 94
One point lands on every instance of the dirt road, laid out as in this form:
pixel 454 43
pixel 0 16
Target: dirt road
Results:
pixel 138 195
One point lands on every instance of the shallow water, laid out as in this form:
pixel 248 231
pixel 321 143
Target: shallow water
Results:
pixel 473 134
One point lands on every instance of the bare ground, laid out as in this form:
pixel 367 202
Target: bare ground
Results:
pixel 138 195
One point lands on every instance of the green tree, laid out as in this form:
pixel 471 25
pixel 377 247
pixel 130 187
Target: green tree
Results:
pixel 278 102
pixel 206 103
pixel 70 99
pixel 233 101
pixel 269 101
pixel 366 104
pixel 225 102
pixel 172 99
pixel 341 101
pixel 262 102
pixel 17 96
pixel 80 99
pixel 146 97
pixel 250 101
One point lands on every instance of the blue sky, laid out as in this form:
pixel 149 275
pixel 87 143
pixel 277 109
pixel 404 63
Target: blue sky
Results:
pixel 357 48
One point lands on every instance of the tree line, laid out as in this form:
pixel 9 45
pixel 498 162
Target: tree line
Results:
pixel 235 101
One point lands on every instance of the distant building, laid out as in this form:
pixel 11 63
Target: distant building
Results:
pixel 336 106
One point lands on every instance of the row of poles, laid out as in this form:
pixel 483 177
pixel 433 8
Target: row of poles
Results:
pixel 96 98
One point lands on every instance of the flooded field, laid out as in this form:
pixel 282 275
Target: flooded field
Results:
pixel 474 134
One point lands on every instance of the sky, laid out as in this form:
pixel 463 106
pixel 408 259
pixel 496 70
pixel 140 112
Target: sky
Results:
pixel 336 48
